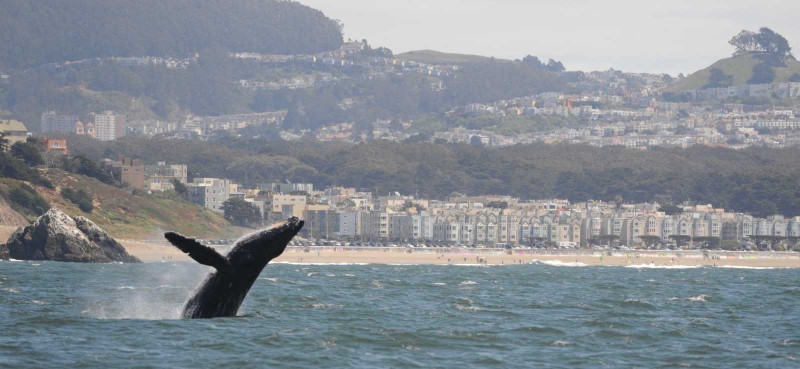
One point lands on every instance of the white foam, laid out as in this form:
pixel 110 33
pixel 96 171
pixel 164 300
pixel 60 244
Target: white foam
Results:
pixel 746 267
pixel 653 266
pixel 467 283
pixel 439 284
pixel 700 298
pixel 558 263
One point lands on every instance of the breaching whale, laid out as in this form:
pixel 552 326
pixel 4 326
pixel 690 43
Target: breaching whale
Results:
pixel 223 290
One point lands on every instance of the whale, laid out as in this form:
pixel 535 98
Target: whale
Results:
pixel 224 289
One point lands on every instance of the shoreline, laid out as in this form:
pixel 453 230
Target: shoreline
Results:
pixel 150 252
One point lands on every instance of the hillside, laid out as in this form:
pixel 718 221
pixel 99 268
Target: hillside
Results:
pixel 126 215
pixel 740 67
pixel 760 181
pixel 438 57
pixel 38 32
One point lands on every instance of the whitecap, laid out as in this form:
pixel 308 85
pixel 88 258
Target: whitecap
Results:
pixel 11 290
pixel 126 288
pixel 560 343
pixel 467 283
pixel 460 307
pixel 700 298
pixel 747 267
pixel 439 284
pixel 38 302
pixel 558 263
pixel 654 266
pixel 326 306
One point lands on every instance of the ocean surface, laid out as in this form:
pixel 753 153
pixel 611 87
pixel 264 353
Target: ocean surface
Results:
pixel 371 316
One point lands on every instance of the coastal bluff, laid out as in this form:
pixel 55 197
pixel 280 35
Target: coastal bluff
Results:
pixel 57 236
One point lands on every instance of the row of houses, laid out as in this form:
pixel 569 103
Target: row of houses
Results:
pixel 347 214
pixel 779 90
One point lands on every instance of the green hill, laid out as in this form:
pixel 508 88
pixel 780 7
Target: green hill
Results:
pixel 135 216
pixel 740 67
pixel 38 32
pixel 438 57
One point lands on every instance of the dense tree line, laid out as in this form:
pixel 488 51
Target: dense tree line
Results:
pixel 757 180
pixel 38 32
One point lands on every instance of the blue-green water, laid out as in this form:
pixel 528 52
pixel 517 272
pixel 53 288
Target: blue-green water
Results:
pixel 367 316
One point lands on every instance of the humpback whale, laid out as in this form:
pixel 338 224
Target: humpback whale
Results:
pixel 223 290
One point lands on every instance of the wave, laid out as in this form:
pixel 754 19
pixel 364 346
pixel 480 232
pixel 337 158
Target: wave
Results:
pixel 747 267
pixel 700 298
pixel 653 266
pixel 460 307
pixel 467 283
pixel 559 263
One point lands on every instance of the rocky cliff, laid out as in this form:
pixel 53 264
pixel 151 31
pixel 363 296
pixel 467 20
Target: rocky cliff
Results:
pixel 57 236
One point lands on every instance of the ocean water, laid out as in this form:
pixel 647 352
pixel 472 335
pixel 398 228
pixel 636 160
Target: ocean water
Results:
pixel 372 316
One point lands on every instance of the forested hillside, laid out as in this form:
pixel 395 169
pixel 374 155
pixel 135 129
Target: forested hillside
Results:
pixel 756 180
pixel 52 31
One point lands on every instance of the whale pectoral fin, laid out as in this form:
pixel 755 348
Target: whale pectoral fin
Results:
pixel 200 253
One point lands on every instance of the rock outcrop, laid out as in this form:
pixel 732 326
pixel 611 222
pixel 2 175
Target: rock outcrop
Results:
pixel 59 237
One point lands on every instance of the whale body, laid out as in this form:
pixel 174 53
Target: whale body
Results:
pixel 223 291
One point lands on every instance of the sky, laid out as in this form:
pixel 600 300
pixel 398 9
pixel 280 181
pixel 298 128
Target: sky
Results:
pixel 668 36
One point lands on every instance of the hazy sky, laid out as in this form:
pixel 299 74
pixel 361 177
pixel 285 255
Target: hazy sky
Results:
pixel 633 35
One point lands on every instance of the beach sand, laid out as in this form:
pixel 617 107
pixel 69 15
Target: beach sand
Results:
pixel 150 251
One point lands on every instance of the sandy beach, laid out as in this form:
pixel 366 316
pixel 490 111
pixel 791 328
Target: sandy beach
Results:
pixel 161 251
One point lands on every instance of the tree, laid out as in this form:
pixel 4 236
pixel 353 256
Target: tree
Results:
pixel 718 79
pixel 671 209
pixel 744 42
pixel 28 153
pixel 180 188
pixel 762 73
pixel 79 197
pixel 708 242
pixel 241 213
pixel 476 141
pixel 82 165
pixel 497 205
pixel 681 240
pixel 607 239
pixel 765 41
pixel 651 242
pixel 532 61
pixel 3 142
pixel 555 66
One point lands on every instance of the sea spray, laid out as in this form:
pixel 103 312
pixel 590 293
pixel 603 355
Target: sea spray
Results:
pixel 147 296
